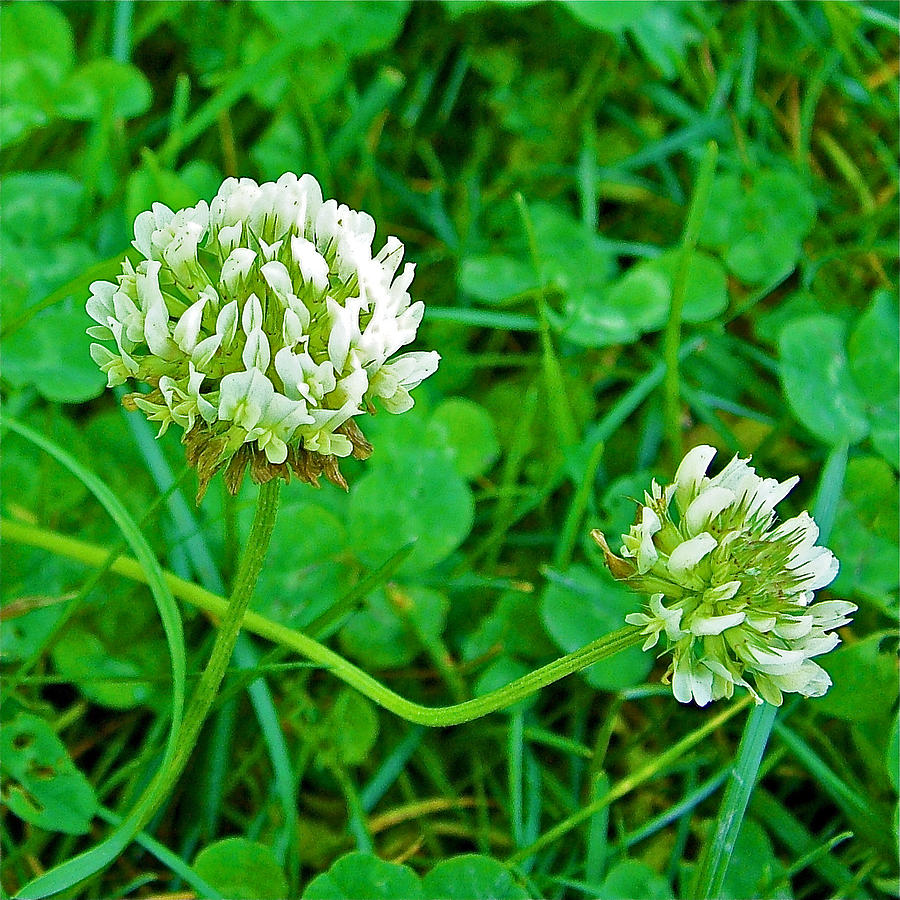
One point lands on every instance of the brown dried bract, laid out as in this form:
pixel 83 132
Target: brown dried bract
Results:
pixel 619 568
pixel 204 449
pixel 362 449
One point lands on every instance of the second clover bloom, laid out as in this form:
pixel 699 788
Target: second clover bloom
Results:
pixel 265 324
pixel 730 589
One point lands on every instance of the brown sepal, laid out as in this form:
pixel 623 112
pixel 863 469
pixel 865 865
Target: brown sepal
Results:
pixel 362 449
pixel 619 568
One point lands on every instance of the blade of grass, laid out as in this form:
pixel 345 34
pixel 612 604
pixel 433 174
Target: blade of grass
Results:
pixel 515 755
pixel 720 841
pixel 562 555
pixel 677 811
pixel 106 269
pixel 557 398
pixel 376 98
pixel 92 861
pixel 630 782
pixel 394 763
pixel 234 89
pixel 786 829
pixel 672 335
pixel 481 318
pixel 856 807
pixel 598 833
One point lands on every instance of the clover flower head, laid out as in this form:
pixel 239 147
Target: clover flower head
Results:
pixel 730 589
pixel 264 324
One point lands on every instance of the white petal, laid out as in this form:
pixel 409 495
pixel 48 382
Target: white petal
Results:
pixel 244 396
pixel 832 613
pixel 685 557
pixel 722 592
pixel 706 625
pixel 188 328
pixel 313 266
pixel 235 269
pixel 691 472
pixel 277 277
pixel 792 628
pixel 252 315
pixel 800 529
pixel 291 328
pixel 256 353
pixel 818 570
pixel 227 323
pixel 706 506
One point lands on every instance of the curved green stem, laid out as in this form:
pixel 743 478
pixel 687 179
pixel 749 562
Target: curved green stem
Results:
pixel 437 716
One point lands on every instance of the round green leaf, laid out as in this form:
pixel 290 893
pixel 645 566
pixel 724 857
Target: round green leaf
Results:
pixel 753 866
pixel 305 569
pixel 53 353
pixel 758 227
pixel 590 321
pixel 355 26
pixel 582 605
pixel 723 212
pixel 632 878
pixel 706 291
pixel 495 277
pixel 471 877
pixel 23 635
pixel 815 374
pixel 515 626
pixel 361 875
pixel 759 257
pixel 571 253
pixel 606 15
pixel 636 302
pixel 786 202
pixel 40 484
pixel 241 870
pixel 641 296
pixel 41 207
pixel 864 537
pixel 110 671
pixel 383 634
pixel 104 87
pixel 467 429
pixel 417 496
pixel 41 783
pixel 38 51
pixel 874 350
pixel 349 731
pixel 864 681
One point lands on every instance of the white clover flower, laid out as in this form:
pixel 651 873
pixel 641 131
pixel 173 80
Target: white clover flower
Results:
pixel 264 324
pixel 731 591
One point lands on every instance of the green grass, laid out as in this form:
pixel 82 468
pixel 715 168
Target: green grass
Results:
pixel 637 228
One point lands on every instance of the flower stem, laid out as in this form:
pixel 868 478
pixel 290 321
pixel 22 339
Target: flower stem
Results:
pixel 672 336
pixel 437 716
pixel 229 628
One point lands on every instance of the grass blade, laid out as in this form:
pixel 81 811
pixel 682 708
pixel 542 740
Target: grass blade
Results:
pixel 92 861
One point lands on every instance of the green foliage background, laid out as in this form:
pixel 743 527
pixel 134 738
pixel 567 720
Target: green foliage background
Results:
pixel 545 418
